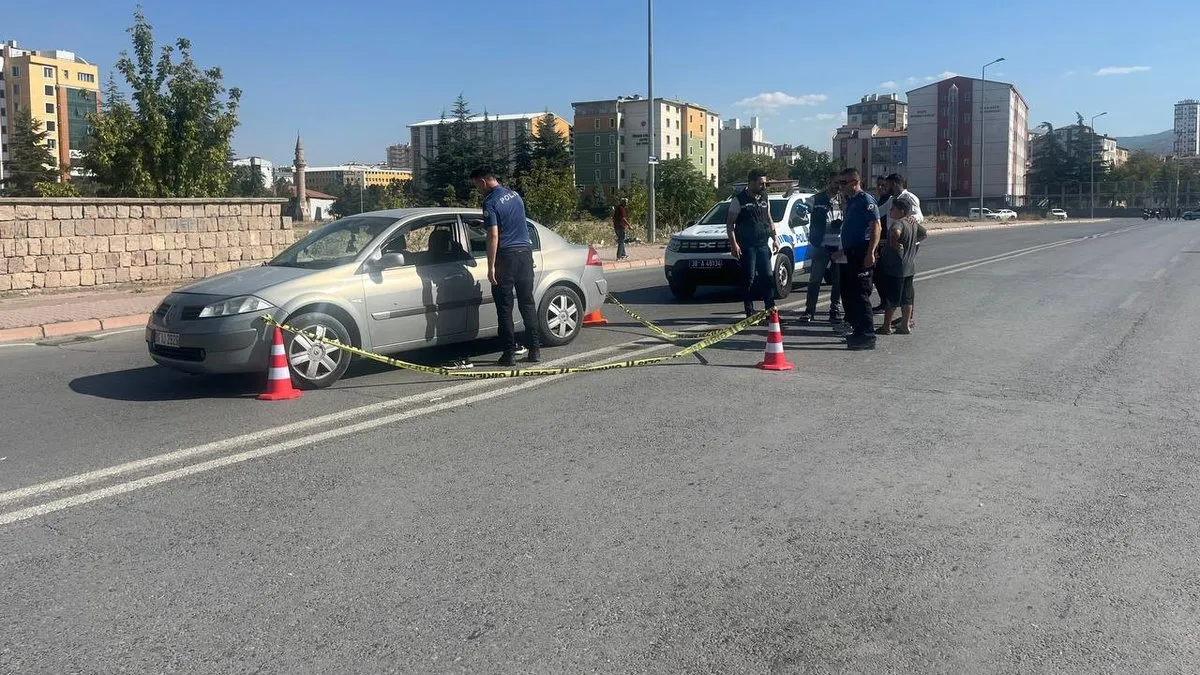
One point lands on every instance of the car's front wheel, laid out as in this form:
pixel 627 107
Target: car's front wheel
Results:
pixel 560 316
pixel 783 276
pixel 316 364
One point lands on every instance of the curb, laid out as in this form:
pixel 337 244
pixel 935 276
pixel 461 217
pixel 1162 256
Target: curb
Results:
pixel 69 328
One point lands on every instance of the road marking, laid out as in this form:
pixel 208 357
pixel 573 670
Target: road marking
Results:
pixel 1160 274
pixel 1131 299
pixel 219 462
pixel 80 480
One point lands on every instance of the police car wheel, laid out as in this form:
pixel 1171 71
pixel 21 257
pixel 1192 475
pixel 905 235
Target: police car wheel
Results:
pixel 783 276
pixel 682 290
pixel 560 316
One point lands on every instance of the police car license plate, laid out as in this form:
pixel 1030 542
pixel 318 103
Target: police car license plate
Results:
pixel 706 264
pixel 166 339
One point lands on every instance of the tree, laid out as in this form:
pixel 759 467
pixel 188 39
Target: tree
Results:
pixel 549 194
pixel 30 161
pixel 683 192
pixel 550 146
pixel 522 164
pixel 813 169
pixel 64 189
pixel 458 153
pixel 1049 161
pixel 248 181
pixel 736 167
pixel 173 139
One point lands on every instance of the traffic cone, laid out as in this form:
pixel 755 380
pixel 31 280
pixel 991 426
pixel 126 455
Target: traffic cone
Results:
pixel 774 358
pixel 279 378
pixel 595 318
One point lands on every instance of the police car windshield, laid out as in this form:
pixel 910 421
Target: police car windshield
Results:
pixel 718 213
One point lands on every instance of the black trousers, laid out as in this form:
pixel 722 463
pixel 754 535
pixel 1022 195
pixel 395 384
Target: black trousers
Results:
pixel 514 272
pixel 856 292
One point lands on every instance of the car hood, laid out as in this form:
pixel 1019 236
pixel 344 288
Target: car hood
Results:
pixel 703 232
pixel 246 281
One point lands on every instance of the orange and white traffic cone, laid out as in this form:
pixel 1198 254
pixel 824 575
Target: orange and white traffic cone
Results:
pixel 279 378
pixel 595 318
pixel 774 358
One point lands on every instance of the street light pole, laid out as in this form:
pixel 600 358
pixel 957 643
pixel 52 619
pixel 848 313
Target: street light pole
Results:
pixel 1092 165
pixel 651 229
pixel 950 160
pixel 982 137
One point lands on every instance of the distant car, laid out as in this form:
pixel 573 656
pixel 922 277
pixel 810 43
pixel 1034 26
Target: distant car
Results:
pixel 1058 214
pixel 1191 215
pixel 385 281
pixel 1006 214
pixel 982 214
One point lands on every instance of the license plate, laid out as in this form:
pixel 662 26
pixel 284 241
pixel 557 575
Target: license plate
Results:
pixel 706 264
pixel 166 339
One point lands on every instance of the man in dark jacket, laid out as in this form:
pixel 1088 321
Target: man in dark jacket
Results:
pixel 824 210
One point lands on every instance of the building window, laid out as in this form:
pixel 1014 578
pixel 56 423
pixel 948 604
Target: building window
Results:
pixel 612 139
pixel 622 174
pixel 597 174
pixel 48 73
pixel 49 90
pixel 52 144
pixel 16 71
pixel 50 107
pixel 16 89
pixel 595 124
pixel 597 141
pixel 612 123
pixel 50 126
pixel 87 77
pixel 612 173
pixel 612 156
pixel 597 158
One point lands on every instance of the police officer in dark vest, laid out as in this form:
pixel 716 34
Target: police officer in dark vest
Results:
pixel 751 233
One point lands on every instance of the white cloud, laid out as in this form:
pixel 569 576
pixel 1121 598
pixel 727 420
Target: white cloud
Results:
pixel 1069 73
pixel 890 84
pixel 772 101
pixel 1122 70
pixel 946 74
pixel 828 116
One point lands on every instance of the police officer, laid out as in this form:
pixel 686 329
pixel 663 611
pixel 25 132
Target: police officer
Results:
pixel 510 263
pixel 860 240
pixel 751 232
pixel 824 211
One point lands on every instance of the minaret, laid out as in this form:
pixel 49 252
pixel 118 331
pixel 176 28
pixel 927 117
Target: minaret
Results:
pixel 298 182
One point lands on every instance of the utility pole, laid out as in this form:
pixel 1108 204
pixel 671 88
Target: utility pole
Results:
pixel 651 230
pixel 982 126
pixel 1092 164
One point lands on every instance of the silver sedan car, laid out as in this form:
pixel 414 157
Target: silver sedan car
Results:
pixel 386 281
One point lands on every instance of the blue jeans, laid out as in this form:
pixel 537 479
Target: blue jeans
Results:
pixel 620 235
pixel 821 260
pixel 757 280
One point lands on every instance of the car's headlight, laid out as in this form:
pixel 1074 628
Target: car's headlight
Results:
pixel 673 245
pixel 239 305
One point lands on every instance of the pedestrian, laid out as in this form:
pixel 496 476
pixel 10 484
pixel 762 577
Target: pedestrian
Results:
pixel 621 226
pixel 824 211
pixel 510 263
pixel 881 195
pixel 898 263
pixel 860 240
pixel 751 234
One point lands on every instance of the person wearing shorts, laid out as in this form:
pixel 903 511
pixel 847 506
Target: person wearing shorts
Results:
pixel 898 264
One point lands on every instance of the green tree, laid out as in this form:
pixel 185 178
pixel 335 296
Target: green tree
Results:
pixel 173 139
pixel 522 159
pixel 56 190
pixel 30 160
pixel 458 153
pixel 683 192
pixel 1048 165
pixel 550 146
pixel 736 167
pixel 812 168
pixel 550 194
pixel 247 181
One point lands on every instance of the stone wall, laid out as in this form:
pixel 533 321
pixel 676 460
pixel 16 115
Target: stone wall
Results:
pixel 77 242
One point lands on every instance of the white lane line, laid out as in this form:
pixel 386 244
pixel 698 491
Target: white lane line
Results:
pixel 79 480
pixel 219 462
pixel 1160 274
pixel 1130 300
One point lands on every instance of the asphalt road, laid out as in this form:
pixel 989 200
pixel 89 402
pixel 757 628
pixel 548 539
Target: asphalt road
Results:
pixel 1011 489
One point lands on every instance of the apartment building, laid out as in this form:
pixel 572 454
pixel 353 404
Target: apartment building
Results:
pixel 1187 128
pixel 1073 134
pixel 423 136
pixel 59 90
pixel 885 111
pixel 334 179
pixel 400 156
pixel 737 137
pixel 614 143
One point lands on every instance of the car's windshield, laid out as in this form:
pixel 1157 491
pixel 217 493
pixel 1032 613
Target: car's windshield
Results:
pixel 337 243
pixel 717 214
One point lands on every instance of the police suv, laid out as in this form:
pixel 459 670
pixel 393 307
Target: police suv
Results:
pixel 700 255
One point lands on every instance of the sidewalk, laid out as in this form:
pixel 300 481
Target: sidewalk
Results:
pixel 52 315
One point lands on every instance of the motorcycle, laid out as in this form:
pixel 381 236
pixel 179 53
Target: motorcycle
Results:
pixel 1146 214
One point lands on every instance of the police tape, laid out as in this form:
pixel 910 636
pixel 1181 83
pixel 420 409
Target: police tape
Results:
pixel 660 332
pixel 712 339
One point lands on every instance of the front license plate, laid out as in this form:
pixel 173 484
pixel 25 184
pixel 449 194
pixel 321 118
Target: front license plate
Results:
pixel 166 339
pixel 706 264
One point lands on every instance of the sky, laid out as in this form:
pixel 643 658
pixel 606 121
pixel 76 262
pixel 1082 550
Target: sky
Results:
pixel 350 78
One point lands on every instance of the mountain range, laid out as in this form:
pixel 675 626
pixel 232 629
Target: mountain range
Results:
pixel 1162 143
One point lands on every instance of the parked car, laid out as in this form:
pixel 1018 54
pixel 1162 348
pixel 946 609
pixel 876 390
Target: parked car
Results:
pixel 982 214
pixel 700 255
pixel 386 281
pixel 1006 214
pixel 1191 215
pixel 1058 214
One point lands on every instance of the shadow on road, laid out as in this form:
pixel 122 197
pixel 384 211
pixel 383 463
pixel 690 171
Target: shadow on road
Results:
pixel 155 383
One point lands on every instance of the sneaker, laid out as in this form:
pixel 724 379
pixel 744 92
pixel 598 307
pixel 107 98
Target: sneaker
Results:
pixel 507 360
pixel 861 345
pixel 807 318
pixel 883 330
pixel 459 364
pixel 535 356
pixel 520 351
pixel 842 328
pixel 878 309
pixel 835 317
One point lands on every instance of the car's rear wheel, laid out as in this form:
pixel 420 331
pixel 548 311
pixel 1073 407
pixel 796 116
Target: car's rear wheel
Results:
pixel 315 364
pixel 681 288
pixel 560 316
pixel 783 276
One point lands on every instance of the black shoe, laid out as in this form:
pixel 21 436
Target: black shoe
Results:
pixel 535 356
pixel 858 342
pixel 835 317
pixel 878 309
pixel 807 318
pixel 749 312
pixel 507 360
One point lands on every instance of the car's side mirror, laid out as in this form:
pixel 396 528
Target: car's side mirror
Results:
pixel 387 261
